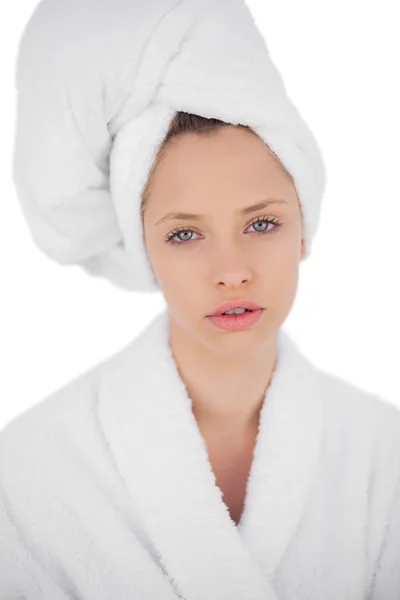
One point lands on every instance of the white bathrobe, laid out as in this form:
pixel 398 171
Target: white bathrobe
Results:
pixel 107 492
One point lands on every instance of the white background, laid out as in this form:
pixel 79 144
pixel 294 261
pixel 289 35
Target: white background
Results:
pixel 340 64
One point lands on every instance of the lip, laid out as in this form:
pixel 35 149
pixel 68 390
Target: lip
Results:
pixel 239 303
pixel 246 320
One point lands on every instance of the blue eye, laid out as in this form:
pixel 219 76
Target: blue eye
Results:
pixel 269 220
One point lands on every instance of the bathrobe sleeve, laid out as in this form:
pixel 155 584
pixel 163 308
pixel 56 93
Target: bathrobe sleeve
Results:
pixel 21 574
pixel 386 585
pixel 18 576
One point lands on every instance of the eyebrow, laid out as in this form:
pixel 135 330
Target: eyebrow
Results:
pixel 244 211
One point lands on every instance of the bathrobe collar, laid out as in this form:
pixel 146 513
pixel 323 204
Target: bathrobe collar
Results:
pixel 146 417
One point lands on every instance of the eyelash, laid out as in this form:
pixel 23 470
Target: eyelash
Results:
pixel 272 220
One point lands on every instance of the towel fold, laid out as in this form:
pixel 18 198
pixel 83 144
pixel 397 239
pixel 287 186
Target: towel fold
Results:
pixel 98 84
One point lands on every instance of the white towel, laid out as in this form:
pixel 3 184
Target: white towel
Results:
pixel 98 83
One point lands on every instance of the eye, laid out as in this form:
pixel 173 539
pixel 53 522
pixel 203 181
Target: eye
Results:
pixel 268 220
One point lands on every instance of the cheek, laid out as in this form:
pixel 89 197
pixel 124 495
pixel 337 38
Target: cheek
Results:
pixel 281 281
pixel 176 271
pixel 178 280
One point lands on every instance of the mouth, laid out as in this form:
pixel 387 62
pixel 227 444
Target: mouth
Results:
pixel 233 322
pixel 240 304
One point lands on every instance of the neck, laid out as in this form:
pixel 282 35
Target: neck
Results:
pixel 227 393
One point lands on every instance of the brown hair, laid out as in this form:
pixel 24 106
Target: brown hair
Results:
pixel 188 122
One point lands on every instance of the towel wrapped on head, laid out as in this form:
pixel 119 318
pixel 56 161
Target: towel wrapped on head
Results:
pixel 99 82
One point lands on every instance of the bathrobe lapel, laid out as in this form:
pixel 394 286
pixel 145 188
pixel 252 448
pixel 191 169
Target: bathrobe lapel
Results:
pixel 146 417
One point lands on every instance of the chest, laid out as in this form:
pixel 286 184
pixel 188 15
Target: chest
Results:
pixel 231 465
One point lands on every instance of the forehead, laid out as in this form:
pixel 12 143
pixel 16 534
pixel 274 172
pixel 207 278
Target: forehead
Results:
pixel 227 157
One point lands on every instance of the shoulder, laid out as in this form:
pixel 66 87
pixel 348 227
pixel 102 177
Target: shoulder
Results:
pixel 54 432
pixel 55 455
pixel 58 409
pixel 357 411
pixel 63 408
pixel 33 444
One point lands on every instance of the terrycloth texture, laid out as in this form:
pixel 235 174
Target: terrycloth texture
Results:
pixel 107 491
pixel 98 83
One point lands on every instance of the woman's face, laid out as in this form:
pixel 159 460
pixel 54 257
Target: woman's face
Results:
pixel 224 254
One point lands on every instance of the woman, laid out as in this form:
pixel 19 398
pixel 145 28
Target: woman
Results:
pixel 209 458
